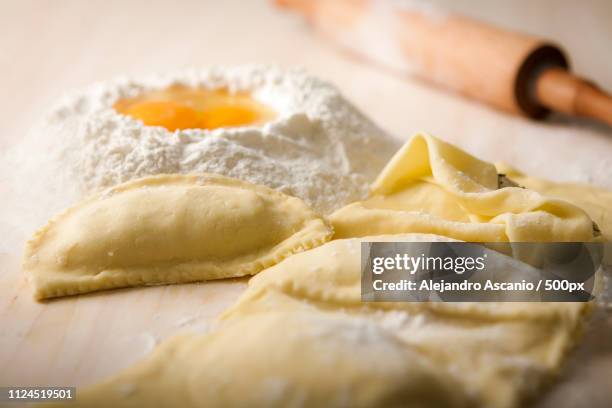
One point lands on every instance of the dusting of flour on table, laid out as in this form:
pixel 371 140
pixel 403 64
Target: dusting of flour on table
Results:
pixel 319 148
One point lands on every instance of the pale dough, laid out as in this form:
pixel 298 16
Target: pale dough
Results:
pixel 169 229
pixel 498 352
pixel 430 186
pixel 281 360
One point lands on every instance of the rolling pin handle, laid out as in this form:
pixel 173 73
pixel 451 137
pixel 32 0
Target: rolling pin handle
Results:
pixel 559 90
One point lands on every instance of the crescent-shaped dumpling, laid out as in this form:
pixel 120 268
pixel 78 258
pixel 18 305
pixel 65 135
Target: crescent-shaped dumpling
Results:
pixel 169 229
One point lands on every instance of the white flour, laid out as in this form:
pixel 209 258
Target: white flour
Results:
pixel 319 148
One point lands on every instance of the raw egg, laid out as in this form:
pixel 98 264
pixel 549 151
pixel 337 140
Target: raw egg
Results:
pixel 178 108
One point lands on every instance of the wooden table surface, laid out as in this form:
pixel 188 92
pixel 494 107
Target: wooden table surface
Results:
pixel 49 47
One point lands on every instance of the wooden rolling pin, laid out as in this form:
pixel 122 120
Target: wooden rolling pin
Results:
pixel 511 71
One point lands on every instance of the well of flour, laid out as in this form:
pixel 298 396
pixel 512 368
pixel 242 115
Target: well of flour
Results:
pixel 318 148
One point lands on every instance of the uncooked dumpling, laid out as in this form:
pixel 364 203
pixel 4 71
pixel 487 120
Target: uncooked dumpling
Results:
pixel 497 352
pixel 169 229
pixel 281 360
pixel 433 187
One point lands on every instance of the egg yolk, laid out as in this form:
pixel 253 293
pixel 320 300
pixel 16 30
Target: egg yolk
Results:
pixel 168 114
pixel 180 108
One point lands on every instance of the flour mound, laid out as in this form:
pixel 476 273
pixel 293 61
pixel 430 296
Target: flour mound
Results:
pixel 319 148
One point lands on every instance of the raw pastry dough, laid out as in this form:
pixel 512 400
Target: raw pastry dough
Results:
pixel 281 359
pixel 169 229
pixel 433 187
pixel 498 352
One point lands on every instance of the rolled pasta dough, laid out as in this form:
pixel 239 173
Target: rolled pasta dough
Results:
pixel 430 186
